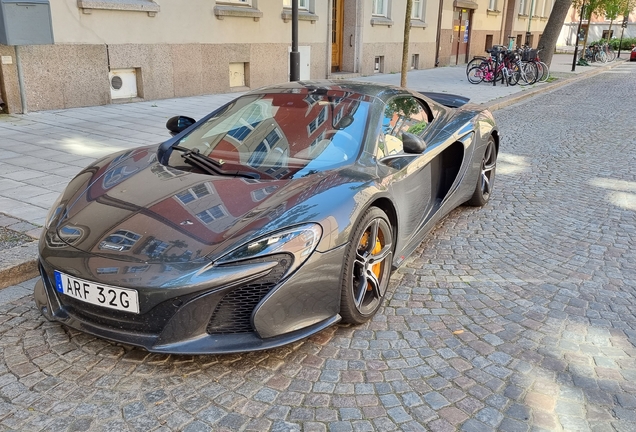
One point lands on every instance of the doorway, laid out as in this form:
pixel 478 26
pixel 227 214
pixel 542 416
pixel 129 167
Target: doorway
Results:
pixel 461 34
pixel 337 23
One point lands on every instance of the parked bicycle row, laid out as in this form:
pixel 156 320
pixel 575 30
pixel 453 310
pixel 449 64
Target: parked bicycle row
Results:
pixel 596 53
pixel 519 66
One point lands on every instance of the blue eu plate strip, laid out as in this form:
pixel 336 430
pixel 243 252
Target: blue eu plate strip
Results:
pixel 59 286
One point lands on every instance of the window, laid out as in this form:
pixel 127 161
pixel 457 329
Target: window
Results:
pixel 379 8
pixel 522 7
pixel 489 39
pixel 415 60
pixel 492 5
pixel 306 10
pixel 402 114
pixel 211 214
pixel 120 241
pixel 547 8
pixel 416 12
pixel 260 194
pixel 155 248
pixel 193 193
pixel 318 121
pixel 238 8
pixel 148 6
pixel 378 65
pixel 302 4
pixel 242 2
pixel 107 270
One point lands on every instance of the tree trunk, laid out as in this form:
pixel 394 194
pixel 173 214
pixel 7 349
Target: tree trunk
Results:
pixel 552 30
pixel 405 46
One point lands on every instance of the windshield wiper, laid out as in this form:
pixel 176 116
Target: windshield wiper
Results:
pixel 209 165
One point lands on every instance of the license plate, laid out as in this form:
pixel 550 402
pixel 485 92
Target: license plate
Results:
pixel 122 299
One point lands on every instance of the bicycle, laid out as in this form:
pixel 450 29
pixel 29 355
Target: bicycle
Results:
pixel 498 68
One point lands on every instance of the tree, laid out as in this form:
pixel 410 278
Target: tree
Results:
pixel 591 7
pixel 613 8
pixel 405 45
pixel 552 30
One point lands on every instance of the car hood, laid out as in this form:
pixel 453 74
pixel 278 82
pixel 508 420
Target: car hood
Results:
pixel 136 209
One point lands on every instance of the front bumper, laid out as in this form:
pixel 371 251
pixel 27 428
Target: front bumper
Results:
pixel 193 318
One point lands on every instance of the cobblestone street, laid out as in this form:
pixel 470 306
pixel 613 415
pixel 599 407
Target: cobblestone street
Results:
pixel 517 316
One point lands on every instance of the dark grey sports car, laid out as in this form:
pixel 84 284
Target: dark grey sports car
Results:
pixel 277 215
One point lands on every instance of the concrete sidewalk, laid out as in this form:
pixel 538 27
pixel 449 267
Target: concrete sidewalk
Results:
pixel 40 152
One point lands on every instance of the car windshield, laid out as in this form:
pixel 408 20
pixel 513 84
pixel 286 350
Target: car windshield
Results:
pixel 282 135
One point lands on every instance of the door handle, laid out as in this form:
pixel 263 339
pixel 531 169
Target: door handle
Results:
pixel 350 40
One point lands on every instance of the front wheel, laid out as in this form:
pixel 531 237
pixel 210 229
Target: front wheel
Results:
pixel 481 195
pixel 367 267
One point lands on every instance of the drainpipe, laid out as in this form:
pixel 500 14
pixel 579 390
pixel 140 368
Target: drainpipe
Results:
pixel 439 31
pixel 18 64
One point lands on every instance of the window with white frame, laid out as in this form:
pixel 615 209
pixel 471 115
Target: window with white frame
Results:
pixel 210 215
pixel 242 2
pixel 492 5
pixel 547 8
pixel 417 11
pixel 302 4
pixel 379 8
pixel 533 12
pixel 522 7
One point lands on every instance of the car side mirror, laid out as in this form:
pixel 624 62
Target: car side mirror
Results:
pixel 178 124
pixel 412 143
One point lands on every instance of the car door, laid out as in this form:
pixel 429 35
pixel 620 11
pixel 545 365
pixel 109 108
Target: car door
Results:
pixel 411 178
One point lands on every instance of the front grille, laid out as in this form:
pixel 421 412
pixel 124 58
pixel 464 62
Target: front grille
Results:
pixel 233 314
pixel 149 323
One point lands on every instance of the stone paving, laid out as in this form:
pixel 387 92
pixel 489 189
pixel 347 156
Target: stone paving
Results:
pixel 518 316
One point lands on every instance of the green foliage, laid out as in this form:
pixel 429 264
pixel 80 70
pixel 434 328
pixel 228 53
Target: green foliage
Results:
pixel 405 107
pixel 627 43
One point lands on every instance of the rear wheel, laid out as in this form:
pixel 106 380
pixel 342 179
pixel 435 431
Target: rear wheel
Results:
pixel 481 195
pixel 475 75
pixel 367 267
pixel 543 72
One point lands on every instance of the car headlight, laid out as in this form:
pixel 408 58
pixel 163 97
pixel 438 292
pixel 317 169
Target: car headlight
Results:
pixel 298 242
pixel 54 212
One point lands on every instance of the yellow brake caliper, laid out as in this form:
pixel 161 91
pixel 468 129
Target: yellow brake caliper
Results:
pixel 377 248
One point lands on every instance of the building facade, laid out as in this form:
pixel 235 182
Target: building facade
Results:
pixel 598 27
pixel 110 51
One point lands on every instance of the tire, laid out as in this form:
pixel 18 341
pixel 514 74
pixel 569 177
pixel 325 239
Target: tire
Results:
pixel 529 73
pixel 544 70
pixel 475 75
pixel 367 267
pixel 476 61
pixel 484 185
pixel 514 75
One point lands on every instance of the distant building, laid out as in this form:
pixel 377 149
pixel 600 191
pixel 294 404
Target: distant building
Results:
pixel 597 28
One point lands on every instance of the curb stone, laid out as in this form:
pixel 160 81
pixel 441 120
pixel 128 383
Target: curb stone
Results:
pixel 18 264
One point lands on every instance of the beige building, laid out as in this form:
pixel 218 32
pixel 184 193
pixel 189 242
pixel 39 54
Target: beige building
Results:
pixel 109 51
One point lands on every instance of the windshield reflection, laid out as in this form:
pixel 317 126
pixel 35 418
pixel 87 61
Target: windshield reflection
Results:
pixel 283 135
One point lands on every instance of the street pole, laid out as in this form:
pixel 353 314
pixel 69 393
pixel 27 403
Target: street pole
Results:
pixel 623 26
pixel 294 55
pixel 578 31
pixel 528 33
